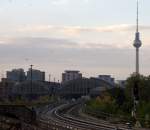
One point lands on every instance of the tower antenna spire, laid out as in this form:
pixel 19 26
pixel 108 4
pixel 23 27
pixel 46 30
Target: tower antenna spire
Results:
pixel 137 16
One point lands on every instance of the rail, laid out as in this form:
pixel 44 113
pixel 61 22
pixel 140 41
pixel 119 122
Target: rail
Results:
pixel 58 121
pixel 78 123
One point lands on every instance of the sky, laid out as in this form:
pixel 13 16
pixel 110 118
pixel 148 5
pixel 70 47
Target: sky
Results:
pixel 93 36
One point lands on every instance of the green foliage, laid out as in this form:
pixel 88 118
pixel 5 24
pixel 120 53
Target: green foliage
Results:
pixel 118 94
pixel 35 102
pixel 144 87
pixel 101 106
pixel 143 109
pixel 119 101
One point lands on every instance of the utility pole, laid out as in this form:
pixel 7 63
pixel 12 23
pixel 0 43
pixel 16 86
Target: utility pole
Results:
pixel 49 77
pixel 31 82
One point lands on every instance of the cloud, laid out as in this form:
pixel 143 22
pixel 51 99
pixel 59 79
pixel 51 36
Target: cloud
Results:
pixel 56 50
pixel 56 55
pixel 46 42
pixel 38 42
pixel 74 30
pixel 59 2
pixel 64 2
pixel 120 36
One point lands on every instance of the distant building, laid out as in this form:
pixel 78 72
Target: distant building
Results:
pixel 107 78
pixel 38 89
pixel 121 83
pixel 83 87
pixel 6 87
pixel 71 75
pixel 37 75
pixel 25 90
pixel 53 87
pixel 17 75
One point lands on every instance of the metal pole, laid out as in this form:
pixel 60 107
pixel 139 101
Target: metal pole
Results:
pixel 49 77
pixel 31 80
pixel 137 61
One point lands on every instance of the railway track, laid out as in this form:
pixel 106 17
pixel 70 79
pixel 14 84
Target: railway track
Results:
pixel 59 117
pixel 76 113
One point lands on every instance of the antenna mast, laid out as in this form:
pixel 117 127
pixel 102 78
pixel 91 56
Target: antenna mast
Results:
pixel 137 16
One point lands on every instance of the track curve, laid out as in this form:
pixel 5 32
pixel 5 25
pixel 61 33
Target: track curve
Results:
pixel 59 115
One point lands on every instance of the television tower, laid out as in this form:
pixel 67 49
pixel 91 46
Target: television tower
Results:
pixel 137 42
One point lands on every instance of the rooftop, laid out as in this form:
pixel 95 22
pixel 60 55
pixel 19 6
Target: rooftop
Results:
pixel 72 71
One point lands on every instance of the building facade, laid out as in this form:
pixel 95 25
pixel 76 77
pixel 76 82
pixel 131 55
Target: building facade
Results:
pixel 17 75
pixel 121 83
pixel 6 87
pixel 37 89
pixel 107 78
pixel 83 87
pixel 37 75
pixel 71 75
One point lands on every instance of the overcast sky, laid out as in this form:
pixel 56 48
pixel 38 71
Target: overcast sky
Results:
pixel 93 36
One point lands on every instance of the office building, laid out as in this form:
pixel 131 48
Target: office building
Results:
pixel 37 75
pixel 71 75
pixel 121 83
pixel 17 75
pixel 84 87
pixel 107 78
